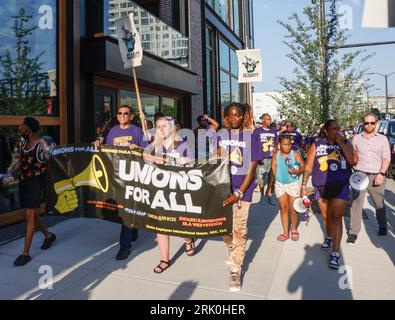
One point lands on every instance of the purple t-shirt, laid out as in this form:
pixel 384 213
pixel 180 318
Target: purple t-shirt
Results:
pixel 268 139
pixel 330 165
pixel 126 137
pixel 243 148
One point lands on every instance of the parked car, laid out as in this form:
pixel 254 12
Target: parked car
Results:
pixel 389 131
pixel 359 128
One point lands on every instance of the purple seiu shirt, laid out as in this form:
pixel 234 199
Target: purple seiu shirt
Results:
pixel 328 168
pixel 243 148
pixel 268 139
pixel 125 137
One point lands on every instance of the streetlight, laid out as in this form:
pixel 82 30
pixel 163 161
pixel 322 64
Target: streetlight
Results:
pixel 386 76
pixel 367 93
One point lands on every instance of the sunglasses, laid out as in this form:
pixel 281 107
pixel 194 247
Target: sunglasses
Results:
pixel 123 113
pixel 369 123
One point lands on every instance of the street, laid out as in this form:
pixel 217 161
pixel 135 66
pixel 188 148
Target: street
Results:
pixel 82 263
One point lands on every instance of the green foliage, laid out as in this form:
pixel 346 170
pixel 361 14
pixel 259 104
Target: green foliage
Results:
pixel 21 73
pixel 326 84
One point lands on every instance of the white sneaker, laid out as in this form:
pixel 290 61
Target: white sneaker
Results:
pixel 234 281
pixel 327 244
pixel 334 261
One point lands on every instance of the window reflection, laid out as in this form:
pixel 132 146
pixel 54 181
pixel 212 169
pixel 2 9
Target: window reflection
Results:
pixel 230 89
pixel 157 37
pixel 170 107
pixel 149 104
pixel 28 58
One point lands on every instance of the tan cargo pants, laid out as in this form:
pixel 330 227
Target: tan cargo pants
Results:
pixel 237 242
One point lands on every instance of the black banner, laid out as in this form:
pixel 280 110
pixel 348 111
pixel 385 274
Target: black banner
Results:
pixel 125 186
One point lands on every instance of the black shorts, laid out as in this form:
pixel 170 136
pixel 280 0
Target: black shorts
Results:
pixel 31 192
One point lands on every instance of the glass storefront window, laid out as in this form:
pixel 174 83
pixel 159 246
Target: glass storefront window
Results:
pixel 209 70
pixel 149 103
pixel 28 58
pixel 222 9
pixel 153 32
pixel 105 109
pixel 224 55
pixel 170 107
pixel 235 90
pixel 9 155
pixel 225 88
pixel 234 64
pixel 230 88
pixel 236 17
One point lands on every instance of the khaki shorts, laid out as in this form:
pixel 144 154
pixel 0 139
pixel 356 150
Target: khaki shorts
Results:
pixel 292 189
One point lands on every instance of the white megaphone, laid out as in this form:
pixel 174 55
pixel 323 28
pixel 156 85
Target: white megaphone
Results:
pixel 299 206
pixel 359 181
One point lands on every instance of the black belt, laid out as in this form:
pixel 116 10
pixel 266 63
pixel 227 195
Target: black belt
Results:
pixel 370 173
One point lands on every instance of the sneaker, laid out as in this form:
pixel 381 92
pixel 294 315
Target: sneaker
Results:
pixel 382 232
pixel 327 243
pixel 123 254
pixel 351 239
pixel 135 234
pixel 334 261
pixel 234 281
pixel 22 260
pixel 48 242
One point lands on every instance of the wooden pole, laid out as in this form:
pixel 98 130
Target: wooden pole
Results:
pixel 143 121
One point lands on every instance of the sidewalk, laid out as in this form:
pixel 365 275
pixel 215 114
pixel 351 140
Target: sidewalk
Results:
pixel 84 265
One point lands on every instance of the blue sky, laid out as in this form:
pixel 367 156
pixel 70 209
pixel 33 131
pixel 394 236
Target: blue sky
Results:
pixel 269 36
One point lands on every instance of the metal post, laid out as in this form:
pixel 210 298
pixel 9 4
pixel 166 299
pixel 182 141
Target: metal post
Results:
pixel 386 95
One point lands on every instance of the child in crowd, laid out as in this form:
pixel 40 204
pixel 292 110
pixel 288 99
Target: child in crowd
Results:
pixel 287 166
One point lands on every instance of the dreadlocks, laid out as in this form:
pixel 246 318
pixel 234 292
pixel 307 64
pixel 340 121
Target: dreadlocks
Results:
pixel 245 110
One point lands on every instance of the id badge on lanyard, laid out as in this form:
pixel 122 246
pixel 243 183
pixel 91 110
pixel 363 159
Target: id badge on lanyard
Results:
pixel 343 163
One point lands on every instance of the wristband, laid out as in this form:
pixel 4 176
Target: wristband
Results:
pixel 238 194
pixel 382 173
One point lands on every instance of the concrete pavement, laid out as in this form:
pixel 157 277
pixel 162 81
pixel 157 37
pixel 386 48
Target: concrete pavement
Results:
pixel 83 264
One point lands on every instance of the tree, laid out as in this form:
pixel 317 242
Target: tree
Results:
pixel 21 85
pixel 326 84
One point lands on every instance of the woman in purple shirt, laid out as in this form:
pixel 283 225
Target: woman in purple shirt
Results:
pixel 329 162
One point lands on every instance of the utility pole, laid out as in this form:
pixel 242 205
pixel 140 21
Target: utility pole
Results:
pixel 322 34
pixel 385 76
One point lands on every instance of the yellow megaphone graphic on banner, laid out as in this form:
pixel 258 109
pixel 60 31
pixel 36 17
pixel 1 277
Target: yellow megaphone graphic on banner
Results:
pixel 95 175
